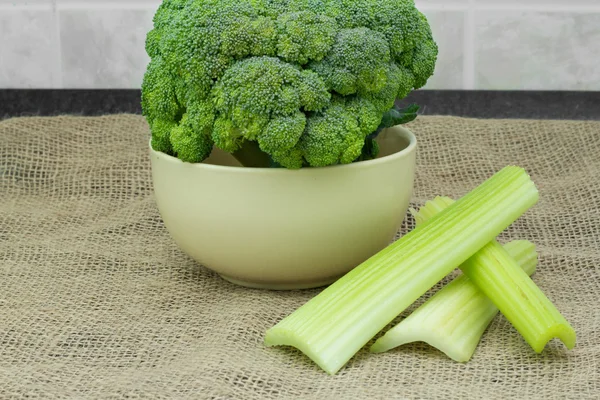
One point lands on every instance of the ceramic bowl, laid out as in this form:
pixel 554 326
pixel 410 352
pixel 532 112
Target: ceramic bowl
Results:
pixel 285 229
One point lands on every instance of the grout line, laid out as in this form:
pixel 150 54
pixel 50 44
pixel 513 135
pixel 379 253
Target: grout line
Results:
pixel 443 7
pixel 438 6
pixel 469 49
pixel 108 5
pixel 571 8
pixel 20 7
pixel 58 81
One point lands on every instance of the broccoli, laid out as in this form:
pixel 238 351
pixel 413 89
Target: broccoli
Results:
pixel 287 83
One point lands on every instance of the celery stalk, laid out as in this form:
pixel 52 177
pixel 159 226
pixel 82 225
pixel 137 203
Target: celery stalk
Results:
pixel 501 279
pixel 334 325
pixel 454 319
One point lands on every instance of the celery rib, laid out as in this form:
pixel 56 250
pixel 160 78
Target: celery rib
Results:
pixel 334 325
pixel 521 301
pixel 454 319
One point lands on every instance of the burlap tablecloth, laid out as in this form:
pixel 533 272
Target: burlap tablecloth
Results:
pixel 96 301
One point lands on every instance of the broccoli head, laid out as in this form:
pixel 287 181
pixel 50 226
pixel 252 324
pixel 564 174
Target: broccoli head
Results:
pixel 308 82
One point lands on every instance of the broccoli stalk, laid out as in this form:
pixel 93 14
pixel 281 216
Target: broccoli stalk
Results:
pixel 250 155
pixel 395 116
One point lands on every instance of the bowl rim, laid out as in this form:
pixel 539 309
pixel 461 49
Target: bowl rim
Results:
pixel 406 133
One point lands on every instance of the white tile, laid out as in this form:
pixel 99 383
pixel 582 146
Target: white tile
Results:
pixel 448 32
pixel 537 50
pixel 104 48
pixel 28 49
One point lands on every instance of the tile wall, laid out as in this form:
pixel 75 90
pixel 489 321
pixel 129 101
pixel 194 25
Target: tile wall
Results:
pixel 484 44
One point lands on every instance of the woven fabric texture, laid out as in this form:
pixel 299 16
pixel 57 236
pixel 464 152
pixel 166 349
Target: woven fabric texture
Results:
pixel 96 300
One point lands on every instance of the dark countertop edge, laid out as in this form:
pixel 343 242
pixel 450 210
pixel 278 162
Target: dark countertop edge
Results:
pixel 566 105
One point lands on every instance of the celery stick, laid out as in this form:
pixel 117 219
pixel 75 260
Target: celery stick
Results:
pixel 334 325
pixel 454 319
pixel 501 279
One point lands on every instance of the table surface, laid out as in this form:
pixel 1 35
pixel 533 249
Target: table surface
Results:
pixel 97 300
pixel 476 104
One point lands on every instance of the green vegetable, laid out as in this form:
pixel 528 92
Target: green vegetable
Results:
pixel 305 82
pixel 521 301
pixel 335 324
pixel 393 117
pixel 454 319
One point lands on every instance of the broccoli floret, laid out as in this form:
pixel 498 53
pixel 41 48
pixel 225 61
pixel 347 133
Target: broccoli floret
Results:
pixel 337 135
pixel 158 93
pixel 161 135
pixel 424 54
pixel 307 82
pixel 305 36
pixel 312 91
pixel 280 139
pixel 190 144
pixel 358 62
pixel 261 98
